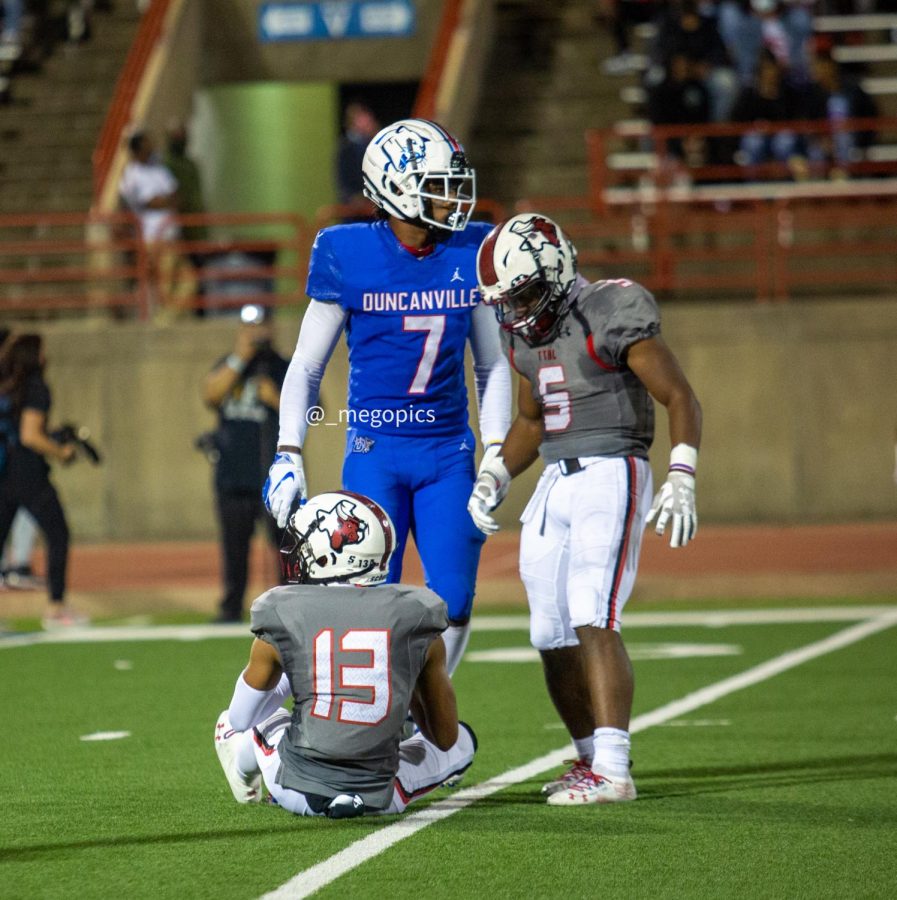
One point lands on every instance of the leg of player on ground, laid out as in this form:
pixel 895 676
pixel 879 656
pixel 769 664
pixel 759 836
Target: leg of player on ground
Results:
pixel 423 767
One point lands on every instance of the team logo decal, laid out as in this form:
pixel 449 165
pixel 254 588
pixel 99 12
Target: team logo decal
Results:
pixel 362 444
pixel 537 232
pixel 404 148
pixel 341 525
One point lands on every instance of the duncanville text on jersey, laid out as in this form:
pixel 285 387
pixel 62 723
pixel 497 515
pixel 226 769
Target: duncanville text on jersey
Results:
pixel 414 301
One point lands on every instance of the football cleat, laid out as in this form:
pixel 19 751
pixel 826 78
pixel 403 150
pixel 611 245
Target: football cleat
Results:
pixel 579 768
pixel 245 788
pixel 595 788
pixel 345 806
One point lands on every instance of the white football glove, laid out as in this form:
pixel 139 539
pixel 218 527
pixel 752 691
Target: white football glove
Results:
pixel 286 481
pixel 676 498
pixel 490 488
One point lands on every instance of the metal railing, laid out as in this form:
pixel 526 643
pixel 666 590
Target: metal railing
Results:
pixel 690 156
pixel 94 263
pixel 88 263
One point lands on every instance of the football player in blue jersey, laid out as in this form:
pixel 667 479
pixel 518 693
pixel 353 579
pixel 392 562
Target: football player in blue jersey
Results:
pixel 404 289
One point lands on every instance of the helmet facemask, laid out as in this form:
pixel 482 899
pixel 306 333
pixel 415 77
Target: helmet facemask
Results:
pixel 455 188
pixel 531 311
pixel 526 269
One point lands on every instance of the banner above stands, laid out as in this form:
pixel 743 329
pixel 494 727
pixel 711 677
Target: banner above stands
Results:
pixel 335 20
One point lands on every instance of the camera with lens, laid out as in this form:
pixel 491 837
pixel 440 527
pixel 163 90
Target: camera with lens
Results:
pixel 80 437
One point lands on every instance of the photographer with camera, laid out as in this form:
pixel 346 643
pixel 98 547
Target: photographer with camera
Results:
pixel 25 476
pixel 244 389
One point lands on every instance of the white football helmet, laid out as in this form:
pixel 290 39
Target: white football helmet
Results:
pixel 413 163
pixel 338 538
pixel 526 268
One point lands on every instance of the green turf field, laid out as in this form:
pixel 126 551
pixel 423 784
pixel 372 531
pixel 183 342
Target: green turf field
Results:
pixel 784 788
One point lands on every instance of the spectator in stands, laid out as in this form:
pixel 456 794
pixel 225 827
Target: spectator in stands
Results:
pixel 244 389
pixel 684 30
pixel 11 36
pixel 769 99
pixel 190 200
pixel 680 99
pixel 835 98
pixel 797 19
pixel 25 480
pixel 748 27
pixel 150 191
pixel 622 17
pixel 78 24
pixel 360 125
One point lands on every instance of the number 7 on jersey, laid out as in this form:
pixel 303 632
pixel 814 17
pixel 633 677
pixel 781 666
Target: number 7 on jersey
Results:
pixel 434 326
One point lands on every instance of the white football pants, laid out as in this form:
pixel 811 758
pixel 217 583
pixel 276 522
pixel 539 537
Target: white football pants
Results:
pixel 579 546
pixel 423 767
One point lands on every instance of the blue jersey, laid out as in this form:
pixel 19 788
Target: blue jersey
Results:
pixel 407 326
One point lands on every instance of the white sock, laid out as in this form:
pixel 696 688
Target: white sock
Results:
pixel 585 748
pixel 611 752
pixel 247 764
pixel 455 638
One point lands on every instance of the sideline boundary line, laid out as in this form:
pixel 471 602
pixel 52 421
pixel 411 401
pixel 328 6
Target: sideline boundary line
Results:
pixel 512 622
pixel 321 874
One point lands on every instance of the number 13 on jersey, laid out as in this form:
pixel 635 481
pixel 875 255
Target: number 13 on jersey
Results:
pixel 371 675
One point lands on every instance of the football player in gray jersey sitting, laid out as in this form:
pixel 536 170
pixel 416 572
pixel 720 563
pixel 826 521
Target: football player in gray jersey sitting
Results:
pixel 590 359
pixel 355 655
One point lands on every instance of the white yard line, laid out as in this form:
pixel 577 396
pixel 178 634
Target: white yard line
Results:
pixel 513 622
pixel 318 876
pixel 709 618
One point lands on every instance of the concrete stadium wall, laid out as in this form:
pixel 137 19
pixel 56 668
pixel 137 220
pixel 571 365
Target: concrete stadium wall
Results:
pixel 799 403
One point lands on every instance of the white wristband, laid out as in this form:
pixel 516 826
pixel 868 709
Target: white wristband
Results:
pixel 684 458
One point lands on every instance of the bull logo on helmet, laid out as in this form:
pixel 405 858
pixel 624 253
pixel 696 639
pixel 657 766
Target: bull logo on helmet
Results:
pixel 341 525
pixel 538 232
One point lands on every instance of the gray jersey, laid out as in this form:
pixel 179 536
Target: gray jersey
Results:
pixel 353 656
pixel 592 404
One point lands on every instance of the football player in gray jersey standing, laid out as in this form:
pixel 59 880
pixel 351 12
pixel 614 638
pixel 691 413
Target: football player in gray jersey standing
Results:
pixel 590 359
pixel 356 655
